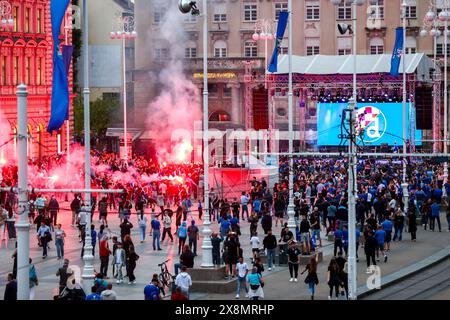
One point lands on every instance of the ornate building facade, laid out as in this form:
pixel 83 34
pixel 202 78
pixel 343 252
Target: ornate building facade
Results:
pixel 26 57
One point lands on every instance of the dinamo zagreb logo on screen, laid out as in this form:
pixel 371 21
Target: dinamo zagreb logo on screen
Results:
pixel 371 124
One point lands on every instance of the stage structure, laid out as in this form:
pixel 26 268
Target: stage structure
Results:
pixel 328 79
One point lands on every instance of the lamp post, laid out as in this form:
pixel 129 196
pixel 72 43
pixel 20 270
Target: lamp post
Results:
pixel 186 7
pixel 67 26
pixel 124 30
pixel 264 31
pixel 352 173
pixel 6 19
pixel 88 270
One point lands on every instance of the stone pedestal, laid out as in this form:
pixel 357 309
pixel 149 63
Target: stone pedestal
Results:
pixel 211 280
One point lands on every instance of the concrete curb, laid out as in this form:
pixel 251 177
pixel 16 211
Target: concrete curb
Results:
pixel 407 272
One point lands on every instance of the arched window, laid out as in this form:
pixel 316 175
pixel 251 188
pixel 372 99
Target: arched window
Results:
pixel 376 46
pixel 220 49
pixel 220 116
pixel 250 49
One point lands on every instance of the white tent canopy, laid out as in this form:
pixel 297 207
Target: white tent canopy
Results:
pixel 366 64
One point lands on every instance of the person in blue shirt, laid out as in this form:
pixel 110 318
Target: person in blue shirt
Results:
pixel 387 226
pixel 182 235
pixel 152 291
pixel 380 236
pixel 338 234
pixel 345 239
pixel 93 295
pixel 224 227
pixel 156 231
pixel 435 212
pixel 437 195
pixel 257 206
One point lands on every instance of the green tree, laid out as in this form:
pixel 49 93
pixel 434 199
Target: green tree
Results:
pixel 100 114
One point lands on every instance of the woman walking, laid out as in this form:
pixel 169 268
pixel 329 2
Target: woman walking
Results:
pixel 311 279
pixel 256 282
pixel 333 278
pixel 131 264
pixel 59 241
pixel 142 222
pixel 10 222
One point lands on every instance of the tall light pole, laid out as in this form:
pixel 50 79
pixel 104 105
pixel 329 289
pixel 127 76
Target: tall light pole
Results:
pixel 67 26
pixel 404 181
pixel 186 7
pixel 88 270
pixel 125 30
pixel 352 173
pixel 290 211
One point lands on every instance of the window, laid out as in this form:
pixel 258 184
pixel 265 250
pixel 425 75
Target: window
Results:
pixel 226 91
pixel 250 12
pixel 111 96
pixel 3 75
pixel 284 50
pixel 158 14
pixel 220 17
pixel 220 49
pixel 344 45
pixel 161 54
pixel 39 21
pixel 377 10
pixel 411 45
pixel 376 46
pixel 345 11
pixel 27 20
pixel 344 52
pixel 28 71
pixel 190 18
pixel 213 89
pixel 16 71
pixel 40 71
pixel 279 7
pixel 313 12
pixel 16 15
pixel 190 53
pixel 312 50
pixel 440 49
pixel 411 12
pixel 250 49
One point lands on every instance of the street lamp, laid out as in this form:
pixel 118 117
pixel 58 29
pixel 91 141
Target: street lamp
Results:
pixel 433 21
pixel 352 181
pixel 6 19
pixel 124 30
pixel 264 31
pixel 186 7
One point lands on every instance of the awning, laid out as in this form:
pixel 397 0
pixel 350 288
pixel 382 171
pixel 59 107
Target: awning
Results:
pixel 418 63
pixel 118 132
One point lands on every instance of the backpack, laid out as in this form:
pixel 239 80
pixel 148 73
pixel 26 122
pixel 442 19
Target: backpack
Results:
pixel 182 232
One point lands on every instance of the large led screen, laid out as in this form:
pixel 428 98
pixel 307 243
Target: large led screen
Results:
pixel 379 123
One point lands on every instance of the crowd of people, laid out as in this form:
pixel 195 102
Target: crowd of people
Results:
pixel 320 202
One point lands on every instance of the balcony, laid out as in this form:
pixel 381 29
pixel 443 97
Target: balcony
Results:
pixel 223 63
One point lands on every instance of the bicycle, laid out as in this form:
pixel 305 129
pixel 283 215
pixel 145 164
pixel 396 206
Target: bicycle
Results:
pixel 165 277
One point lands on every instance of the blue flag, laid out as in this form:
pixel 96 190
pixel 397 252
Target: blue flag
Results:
pixel 281 28
pixel 398 52
pixel 60 84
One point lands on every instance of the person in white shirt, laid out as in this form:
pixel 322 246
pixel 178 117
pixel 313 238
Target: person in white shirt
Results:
pixel 255 242
pixel 119 261
pixel 184 281
pixel 244 202
pixel 241 271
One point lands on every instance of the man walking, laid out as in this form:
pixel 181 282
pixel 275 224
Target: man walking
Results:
pixel 53 208
pixel 63 275
pixel 242 272
pixel 193 235
pixel 156 232
pixel 270 244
